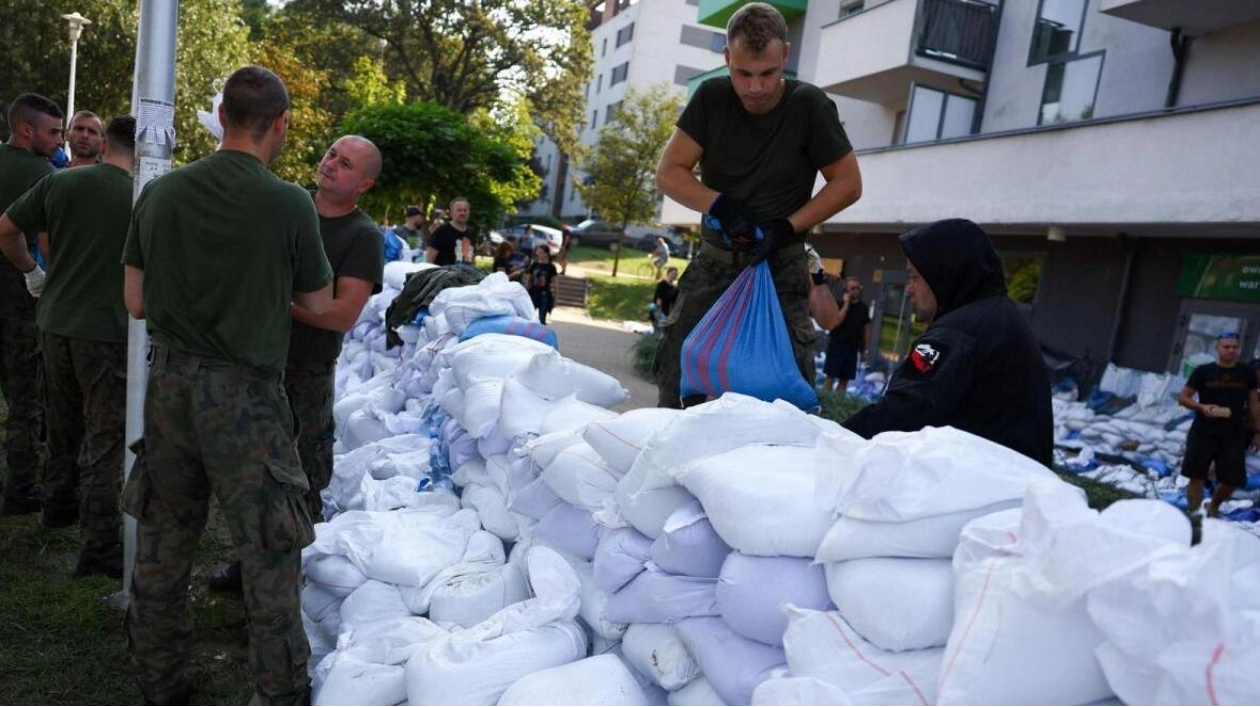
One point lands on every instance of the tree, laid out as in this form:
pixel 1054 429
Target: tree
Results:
pixel 433 154
pixel 621 167
pixel 471 54
pixel 311 127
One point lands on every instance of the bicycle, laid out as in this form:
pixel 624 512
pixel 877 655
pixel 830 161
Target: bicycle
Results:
pixel 647 270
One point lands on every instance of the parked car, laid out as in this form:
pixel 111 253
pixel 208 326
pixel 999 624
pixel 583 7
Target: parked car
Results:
pixel 542 235
pixel 593 232
pixel 673 236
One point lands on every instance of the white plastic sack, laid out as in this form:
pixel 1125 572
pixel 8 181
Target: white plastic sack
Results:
pixel 753 591
pixel 374 601
pixel 355 682
pixel 896 603
pixel 469 599
pixel 594 600
pixel 555 377
pixel 821 645
pixel 620 557
pixel 521 410
pixel 689 545
pixel 656 651
pixel 734 665
pixel 620 439
pixel 760 499
pixel 481 407
pixel 799 691
pixel 579 475
pixel 698 692
pixel 535 500
pixel 334 573
pixel 569 529
pixel 929 537
pixel 490 357
pixel 573 414
pixel 655 597
pixel 491 509
pixel 602 680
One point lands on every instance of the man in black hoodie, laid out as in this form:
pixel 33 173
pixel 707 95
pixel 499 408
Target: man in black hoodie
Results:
pixel 978 367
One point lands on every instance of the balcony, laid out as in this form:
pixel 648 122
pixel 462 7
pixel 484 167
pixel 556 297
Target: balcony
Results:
pixel 1194 18
pixel 694 82
pixel 715 13
pixel 877 54
pixel 1179 173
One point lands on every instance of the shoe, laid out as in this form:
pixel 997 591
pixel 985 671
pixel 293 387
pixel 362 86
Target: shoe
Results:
pixel 104 561
pixel 227 579
pixel 60 517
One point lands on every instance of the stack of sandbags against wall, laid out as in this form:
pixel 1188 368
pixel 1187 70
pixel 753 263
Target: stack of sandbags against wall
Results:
pixel 1023 634
pixel 493 296
pixel 476 665
pixel 1185 627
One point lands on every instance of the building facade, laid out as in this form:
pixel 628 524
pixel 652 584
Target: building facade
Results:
pixel 1111 147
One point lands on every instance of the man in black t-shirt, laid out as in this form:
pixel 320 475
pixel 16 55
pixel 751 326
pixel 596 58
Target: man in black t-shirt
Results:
pixel 760 140
pixel 1226 394
pixel 452 242
pixel 848 340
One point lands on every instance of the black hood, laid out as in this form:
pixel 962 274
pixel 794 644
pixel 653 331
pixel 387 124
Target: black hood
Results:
pixel 957 260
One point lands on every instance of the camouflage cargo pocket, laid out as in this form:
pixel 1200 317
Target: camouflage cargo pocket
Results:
pixel 136 491
pixel 287 525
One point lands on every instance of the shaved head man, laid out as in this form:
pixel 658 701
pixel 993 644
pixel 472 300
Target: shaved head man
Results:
pixel 84 137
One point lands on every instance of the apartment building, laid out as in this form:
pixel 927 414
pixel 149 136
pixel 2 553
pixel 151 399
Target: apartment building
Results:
pixel 1112 147
pixel 637 44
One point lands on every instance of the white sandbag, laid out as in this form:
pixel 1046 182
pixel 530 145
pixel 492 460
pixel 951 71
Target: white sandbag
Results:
pixel 535 500
pixel 405 548
pixel 602 680
pixel 354 682
pixel 928 537
pixel 718 426
pixel 491 508
pixel 543 450
pixel 471 472
pixel 318 602
pixel 752 592
pixel 469 599
pixel 476 665
pixel 452 403
pixel 900 476
pixel 362 427
pixel 594 601
pixel 521 410
pixel 377 394
pixel 497 468
pixel 334 573
pixel 655 597
pixel 389 642
pixel 656 651
pixel 1185 628
pixel 619 558
pixel 1022 583
pixel 483 553
pixel 799 691
pixel 494 443
pixel 481 407
pixel 555 377
pixel 734 665
pixel 896 603
pixel 822 645
pixel 573 414
pixel 374 601
pixel 395 277
pixel 689 545
pixel 490 357
pixel 620 439
pixel 579 475
pixel 648 510
pixel 760 499
pixel 569 529
pixel 391 494
pixel 321 642
pixel 698 692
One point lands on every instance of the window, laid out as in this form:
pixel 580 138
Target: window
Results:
pixel 936 115
pixel 702 38
pixel 604 51
pixel 718 42
pixel 851 7
pixel 1057 32
pixel 684 74
pixel 899 123
pixel 1071 87
pixel 594 118
pixel 619 73
pixel 693 2
pixel 611 111
pixel 599 86
pixel 625 34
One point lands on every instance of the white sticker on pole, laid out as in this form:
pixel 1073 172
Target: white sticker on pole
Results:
pixel 150 168
pixel 155 122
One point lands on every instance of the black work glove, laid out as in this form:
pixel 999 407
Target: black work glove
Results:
pixel 739 229
pixel 773 233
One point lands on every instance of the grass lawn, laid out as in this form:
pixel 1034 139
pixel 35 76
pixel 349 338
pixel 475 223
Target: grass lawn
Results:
pixel 63 643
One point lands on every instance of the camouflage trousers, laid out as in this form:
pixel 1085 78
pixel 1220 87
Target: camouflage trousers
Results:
pixel 707 277
pixel 86 396
pixel 21 382
pixel 310 389
pixel 213 427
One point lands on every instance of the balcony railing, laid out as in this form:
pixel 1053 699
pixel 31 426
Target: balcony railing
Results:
pixel 957 31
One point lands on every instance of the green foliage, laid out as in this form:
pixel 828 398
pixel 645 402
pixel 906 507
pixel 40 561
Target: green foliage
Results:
pixel 837 406
pixel 644 354
pixel 1022 278
pixel 370 86
pixel 432 154
pixel 471 55
pixel 619 299
pixel 310 125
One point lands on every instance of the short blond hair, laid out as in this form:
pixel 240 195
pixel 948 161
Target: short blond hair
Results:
pixel 756 25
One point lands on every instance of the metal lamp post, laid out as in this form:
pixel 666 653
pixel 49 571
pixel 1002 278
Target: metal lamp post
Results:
pixel 77 23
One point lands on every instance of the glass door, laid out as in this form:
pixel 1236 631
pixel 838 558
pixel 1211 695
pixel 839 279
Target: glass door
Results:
pixel 1201 322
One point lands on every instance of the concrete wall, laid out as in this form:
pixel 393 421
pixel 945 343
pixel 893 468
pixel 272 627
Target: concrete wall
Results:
pixel 1222 66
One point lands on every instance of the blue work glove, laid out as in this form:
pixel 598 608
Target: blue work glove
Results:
pixel 739 229
pixel 59 159
pixel 774 233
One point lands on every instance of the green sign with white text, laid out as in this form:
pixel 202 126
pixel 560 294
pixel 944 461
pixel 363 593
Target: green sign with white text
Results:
pixel 1225 277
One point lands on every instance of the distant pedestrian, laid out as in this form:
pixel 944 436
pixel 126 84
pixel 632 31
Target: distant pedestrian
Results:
pixel 452 242
pixel 409 229
pixel 216 418
pixel 542 282
pixel 1227 397
pixel 566 242
pixel 847 342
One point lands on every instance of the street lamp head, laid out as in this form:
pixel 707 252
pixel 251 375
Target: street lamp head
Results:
pixel 77 23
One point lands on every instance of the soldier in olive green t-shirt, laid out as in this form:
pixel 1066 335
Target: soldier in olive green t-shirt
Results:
pixel 35 134
pixel 82 215
pixel 216 253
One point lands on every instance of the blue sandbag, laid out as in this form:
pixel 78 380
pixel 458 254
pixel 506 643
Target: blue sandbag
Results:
pixel 1253 482
pixel 515 326
pixel 742 345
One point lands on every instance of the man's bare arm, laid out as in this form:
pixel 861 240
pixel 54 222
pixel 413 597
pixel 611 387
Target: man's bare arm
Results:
pixel 13 244
pixel 317 302
pixel 674 175
pixel 842 189
pixel 349 298
pixel 133 290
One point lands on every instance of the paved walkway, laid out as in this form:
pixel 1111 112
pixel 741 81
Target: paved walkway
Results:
pixel 604 345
